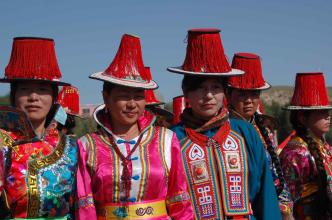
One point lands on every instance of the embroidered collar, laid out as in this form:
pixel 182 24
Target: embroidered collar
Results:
pixel 103 120
pixel 190 121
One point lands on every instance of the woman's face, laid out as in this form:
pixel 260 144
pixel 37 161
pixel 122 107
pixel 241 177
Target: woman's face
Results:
pixel 318 122
pixel 125 104
pixel 207 99
pixel 244 102
pixel 34 98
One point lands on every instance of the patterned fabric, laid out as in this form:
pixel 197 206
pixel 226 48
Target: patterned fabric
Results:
pixel 284 198
pixel 155 170
pixel 40 179
pixel 301 175
pixel 262 195
pixel 231 187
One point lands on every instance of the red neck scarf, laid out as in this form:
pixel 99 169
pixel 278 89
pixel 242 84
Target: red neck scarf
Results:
pixel 193 128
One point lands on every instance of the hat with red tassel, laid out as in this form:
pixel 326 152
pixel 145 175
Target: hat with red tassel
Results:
pixel 179 104
pixel 252 79
pixel 33 58
pixel 127 67
pixel 260 108
pixel 205 55
pixel 69 99
pixel 310 92
pixel 150 98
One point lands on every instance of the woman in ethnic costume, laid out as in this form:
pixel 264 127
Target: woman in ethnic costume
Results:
pixel 129 168
pixel 224 159
pixel 40 161
pixel 306 160
pixel 243 96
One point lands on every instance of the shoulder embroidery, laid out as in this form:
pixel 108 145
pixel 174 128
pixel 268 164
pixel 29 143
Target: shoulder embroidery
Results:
pixel 88 145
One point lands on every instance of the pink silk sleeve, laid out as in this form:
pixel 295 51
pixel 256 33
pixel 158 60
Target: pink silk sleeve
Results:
pixel 86 208
pixel 178 199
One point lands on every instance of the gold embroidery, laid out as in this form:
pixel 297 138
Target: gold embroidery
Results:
pixel 5 139
pixel 33 167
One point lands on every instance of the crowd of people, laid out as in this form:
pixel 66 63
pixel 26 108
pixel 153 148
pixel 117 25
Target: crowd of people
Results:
pixel 219 158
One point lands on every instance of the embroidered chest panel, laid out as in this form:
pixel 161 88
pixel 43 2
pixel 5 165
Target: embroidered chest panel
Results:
pixel 45 182
pixel 148 167
pixel 215 175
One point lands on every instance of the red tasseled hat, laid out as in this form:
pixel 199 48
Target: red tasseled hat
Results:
pixel 252 79
pixel 150 98
pixel 310 92
pixel 179 104
pixel 33 58
pixel 69 99
pixel 205 55
pixel 127 68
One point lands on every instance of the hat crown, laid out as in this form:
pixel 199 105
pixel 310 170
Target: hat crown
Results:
pixel 253 77
pixel 310 90
pixel 179 104
pixel 33 58
pixel 128 61
pixel 150 98
pixel 69 99
pixel 205 52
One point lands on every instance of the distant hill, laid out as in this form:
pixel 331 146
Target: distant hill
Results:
pixel 4 100
pixel 282 94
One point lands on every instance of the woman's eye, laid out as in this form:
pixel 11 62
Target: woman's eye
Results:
pixel 22 87
pixel 44 89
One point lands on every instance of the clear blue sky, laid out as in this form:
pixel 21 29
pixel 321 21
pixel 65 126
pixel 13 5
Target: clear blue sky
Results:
pixel 290 36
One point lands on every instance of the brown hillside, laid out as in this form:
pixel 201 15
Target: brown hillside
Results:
pixel 282 94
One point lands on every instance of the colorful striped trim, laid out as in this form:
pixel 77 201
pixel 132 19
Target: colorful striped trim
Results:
pixel 162 150
pixel 116 166
pixel 145 160
pixel 235 203
pixel 212 208
pixel 92 153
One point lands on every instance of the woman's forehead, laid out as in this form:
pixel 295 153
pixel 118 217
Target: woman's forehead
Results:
pixel 126 89
pixel 32 83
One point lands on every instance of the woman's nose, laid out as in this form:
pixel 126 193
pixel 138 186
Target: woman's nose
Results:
pixel 209 95
pixel 131 103
pixel 248 99
pixel 32 95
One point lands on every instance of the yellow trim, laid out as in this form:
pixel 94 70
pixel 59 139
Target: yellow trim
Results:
pixel 135 211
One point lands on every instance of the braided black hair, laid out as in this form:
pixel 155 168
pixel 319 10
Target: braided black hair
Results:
pixel 301 131
pixel 275 159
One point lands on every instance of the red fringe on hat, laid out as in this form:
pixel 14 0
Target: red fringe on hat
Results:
pixel 251 65
pixel 310 90
pixel 33 58
pixel 150 97
pixel 205 52
pixel 179 104
pixel 69 99
pixel 128 61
